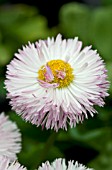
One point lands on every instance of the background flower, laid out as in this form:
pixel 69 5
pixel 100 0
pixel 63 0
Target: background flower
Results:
pixel 53 82
pixel 60 165
pixel 10 138
pixel 6 165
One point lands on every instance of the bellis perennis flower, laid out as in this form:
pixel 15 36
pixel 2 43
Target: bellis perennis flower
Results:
pixel 6 165
pixel 10 138
pixel 54 82
pixel 59 164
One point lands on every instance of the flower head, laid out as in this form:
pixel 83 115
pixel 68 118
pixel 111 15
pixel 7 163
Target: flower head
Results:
pixel 60 165
pixel 54 82
pixel 10 138
pixel 6 165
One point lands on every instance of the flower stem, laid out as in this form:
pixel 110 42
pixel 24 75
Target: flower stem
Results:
pixel 48 145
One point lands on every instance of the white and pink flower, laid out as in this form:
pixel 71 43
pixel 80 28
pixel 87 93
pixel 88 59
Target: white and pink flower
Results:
pixel 10 138
pixel 6 165
pixel 60 164
pixel 53 83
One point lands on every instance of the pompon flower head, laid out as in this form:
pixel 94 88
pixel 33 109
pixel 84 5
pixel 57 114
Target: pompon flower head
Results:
pixel 54 82
pixel 60 165
pixel 6 165
pixel 10 138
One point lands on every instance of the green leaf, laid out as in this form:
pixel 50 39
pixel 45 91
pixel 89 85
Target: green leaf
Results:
pixel 92 137
pixel 104 160
pixel 12 13
pixel 2 90
pixel 31 151
pixel 54 153
pixel 31 29
pixel 106 2
pixel 101 31
pixel 0 36
pixel 105 114
pixel 4 55
pixel 28 130
pixel 74 19
pixel 22 23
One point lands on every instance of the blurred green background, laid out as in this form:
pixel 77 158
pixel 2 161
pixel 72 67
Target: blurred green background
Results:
pixel 89 143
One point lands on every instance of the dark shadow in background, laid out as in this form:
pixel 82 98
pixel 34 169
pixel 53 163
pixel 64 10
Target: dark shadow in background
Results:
pixel 50 8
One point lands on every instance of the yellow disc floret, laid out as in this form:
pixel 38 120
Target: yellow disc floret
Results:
pixel 61 71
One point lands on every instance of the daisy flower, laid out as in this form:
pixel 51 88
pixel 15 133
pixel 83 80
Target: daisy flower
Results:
pixel 6 165
pixel 10 138
pixel 60 165
pixel 53 83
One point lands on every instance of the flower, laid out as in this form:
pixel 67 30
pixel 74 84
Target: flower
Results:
pixel 53 83
pixel 6 165
pixel 10 138
pixel 60 165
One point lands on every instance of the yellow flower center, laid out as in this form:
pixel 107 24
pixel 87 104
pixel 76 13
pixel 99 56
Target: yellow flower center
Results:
pixel 60 70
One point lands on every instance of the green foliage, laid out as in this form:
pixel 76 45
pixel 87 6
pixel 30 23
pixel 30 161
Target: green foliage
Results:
pixel 18 25
pixel 101 31
pixel 106 2
pixel 4 55
pixel 74 20
pixel 92 26
pixel 104 160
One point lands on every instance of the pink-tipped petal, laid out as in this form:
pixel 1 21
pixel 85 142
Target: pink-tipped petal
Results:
pixel 48 74
pixel 47 85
